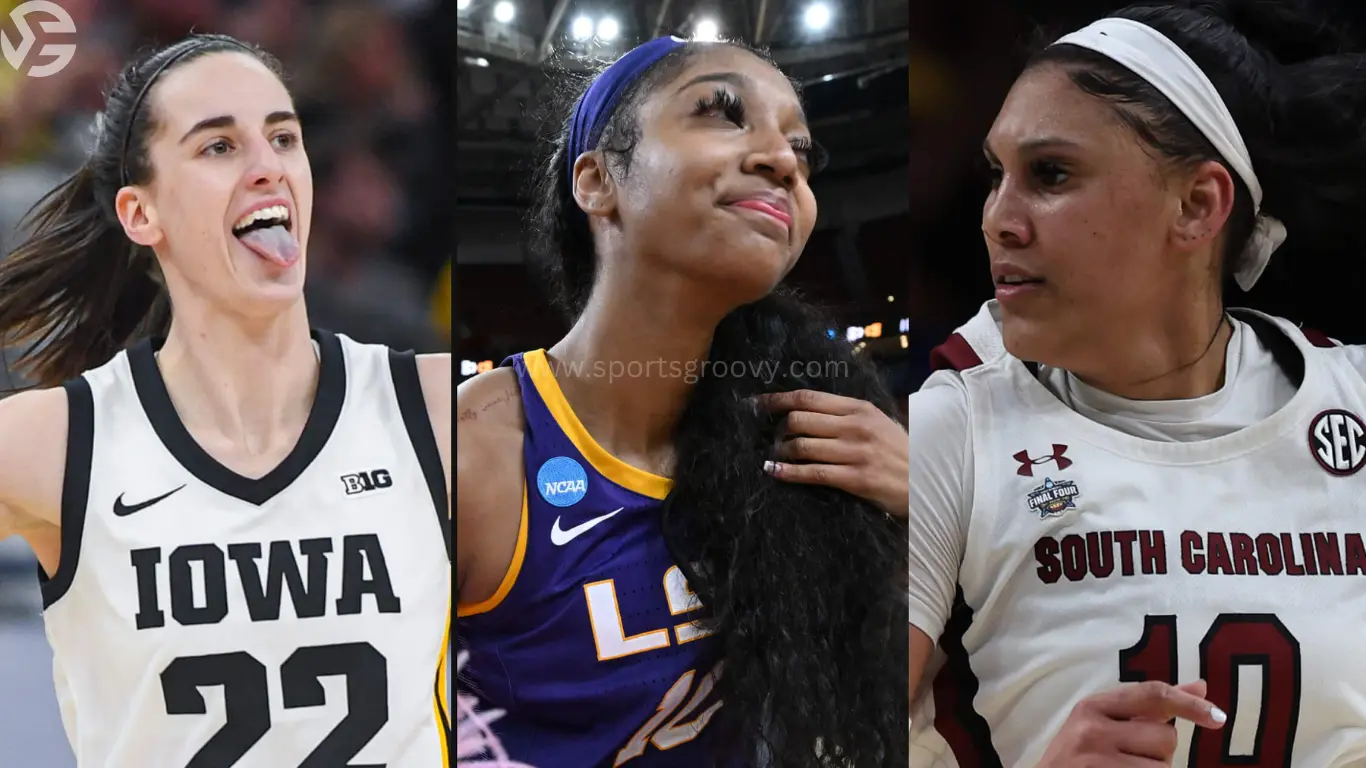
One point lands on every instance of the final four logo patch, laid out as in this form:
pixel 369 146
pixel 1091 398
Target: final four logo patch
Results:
pixel 1053 498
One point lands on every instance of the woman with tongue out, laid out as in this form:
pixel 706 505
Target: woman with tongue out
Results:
pixel 265 230
pixel 226 506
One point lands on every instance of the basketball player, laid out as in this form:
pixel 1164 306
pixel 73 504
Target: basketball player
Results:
pixel 1130 505
pixel 227 514
pixel 614 485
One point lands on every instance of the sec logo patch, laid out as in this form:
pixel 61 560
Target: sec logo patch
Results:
pixel 1337 441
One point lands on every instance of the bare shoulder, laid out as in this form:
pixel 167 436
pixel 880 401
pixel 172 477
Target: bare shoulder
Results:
pixel 33 429
pixel 490 426
pixel 489 429
pixel 434 373
pixel 489 407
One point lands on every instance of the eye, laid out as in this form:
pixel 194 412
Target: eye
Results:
pixel 993 172
pixel 217 147
pixel 1048 173
pixel 811 153
pixel 285 140
pixel 723 103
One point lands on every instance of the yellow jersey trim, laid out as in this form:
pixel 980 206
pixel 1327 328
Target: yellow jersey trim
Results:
pixel 609 466
pixel 442 700
pixel 509 578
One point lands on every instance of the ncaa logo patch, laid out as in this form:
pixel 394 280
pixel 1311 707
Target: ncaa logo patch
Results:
pixel 1337 440
pixel 1053 498
pixel 562 481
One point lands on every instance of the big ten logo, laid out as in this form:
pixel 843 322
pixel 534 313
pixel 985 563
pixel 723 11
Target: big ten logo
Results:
pixel 673 722
pixel 361 482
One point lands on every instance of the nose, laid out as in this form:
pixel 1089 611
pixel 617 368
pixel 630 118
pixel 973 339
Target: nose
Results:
pixel 265 166
pixel 771 155
pixel 1005 219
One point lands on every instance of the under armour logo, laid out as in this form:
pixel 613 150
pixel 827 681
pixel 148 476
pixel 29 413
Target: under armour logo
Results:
pixel 16 55
pixel 1027 464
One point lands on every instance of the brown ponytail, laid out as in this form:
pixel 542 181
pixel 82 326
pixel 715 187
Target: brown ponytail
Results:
pixel 77 290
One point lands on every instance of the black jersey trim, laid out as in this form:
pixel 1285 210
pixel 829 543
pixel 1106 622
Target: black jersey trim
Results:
pixel 413 406
pixel 322 420
pixel 80 449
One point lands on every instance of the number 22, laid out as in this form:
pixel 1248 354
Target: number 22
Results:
pixel 1233 641
pixel 246 698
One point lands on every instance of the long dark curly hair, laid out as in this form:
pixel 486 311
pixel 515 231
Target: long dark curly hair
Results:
pixel 805 584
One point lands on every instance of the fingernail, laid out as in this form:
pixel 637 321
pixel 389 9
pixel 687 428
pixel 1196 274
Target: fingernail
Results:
pixel 771 467
pixel 1217 715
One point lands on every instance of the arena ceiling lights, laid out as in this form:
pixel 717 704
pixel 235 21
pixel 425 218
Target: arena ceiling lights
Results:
pixel 604 28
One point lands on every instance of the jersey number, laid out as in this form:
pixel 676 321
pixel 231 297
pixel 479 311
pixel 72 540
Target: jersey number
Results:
pixel 246 699
pixel 1234 641
pixel 669 735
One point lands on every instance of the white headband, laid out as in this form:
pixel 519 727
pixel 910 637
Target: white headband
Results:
pixel 1153 57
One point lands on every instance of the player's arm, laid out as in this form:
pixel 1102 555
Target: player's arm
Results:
pixel 434 371
pixel 489 477
pixel 940 502
pixel 32 461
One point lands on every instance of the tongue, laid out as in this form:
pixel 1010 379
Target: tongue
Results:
pixel 274 244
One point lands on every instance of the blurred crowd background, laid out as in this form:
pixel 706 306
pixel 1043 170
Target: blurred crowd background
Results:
pixel 370 78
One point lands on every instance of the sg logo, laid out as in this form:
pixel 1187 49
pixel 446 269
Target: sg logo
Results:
pixel 27 37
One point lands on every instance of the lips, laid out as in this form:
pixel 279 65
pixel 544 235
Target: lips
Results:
pixel 767 208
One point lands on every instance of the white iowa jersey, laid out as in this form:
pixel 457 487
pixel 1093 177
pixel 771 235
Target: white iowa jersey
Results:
pixel 207 620
pixel 1094 557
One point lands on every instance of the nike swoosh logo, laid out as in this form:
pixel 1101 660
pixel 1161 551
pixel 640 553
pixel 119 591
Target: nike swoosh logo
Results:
pixel 560 537
pixel 124 510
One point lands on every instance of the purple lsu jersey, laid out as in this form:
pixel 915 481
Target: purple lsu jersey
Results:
pixel 590 642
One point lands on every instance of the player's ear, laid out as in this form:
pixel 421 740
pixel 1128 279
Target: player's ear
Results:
pixel 594 189
pixel 1204 206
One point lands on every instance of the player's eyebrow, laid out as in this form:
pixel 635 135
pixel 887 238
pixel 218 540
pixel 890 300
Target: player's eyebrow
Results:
pixel 1035 144
pixel 228 121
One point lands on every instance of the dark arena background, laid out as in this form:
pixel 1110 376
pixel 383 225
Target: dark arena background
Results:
pixel 850 56
pixel 367 78
pixel 964 57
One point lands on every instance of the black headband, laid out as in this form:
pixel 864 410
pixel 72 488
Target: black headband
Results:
pixel 198 44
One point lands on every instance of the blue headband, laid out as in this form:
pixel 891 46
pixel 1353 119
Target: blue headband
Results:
pixel 593 110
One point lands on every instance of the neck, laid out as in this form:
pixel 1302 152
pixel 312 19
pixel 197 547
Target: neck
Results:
pixel 251 385
pixel 1173 361
pixel 627 368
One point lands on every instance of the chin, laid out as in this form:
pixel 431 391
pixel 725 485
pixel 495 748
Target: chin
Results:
pixel 1025 338
pixel 761 265
pixel 751 285
pixel 273 288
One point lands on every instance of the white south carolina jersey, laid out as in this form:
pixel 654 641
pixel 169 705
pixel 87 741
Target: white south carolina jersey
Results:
pixel 1091 557
pixel 204 619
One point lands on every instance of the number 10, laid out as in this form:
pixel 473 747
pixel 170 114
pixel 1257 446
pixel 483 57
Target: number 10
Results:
pixel 1235 640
